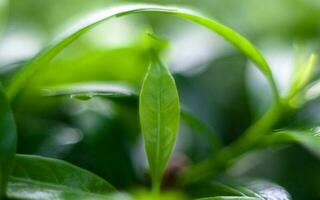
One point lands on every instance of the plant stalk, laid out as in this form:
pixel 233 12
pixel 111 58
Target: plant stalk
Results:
pixel 224 158
pixel 156 187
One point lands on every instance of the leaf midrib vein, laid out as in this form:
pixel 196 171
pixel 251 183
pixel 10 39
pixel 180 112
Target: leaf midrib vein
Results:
pixel 158 120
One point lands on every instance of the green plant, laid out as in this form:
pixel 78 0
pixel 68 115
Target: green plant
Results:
pixel 33 177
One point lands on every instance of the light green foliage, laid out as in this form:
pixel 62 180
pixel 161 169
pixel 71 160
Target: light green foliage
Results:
pixel 308 139
pixel 302 75
pixel 159 117
pixel 46 55
pixel 101 128
pixel 91 66
pixel 3 13
pixel 168 195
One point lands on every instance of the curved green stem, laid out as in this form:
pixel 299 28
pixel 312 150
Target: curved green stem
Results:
pixel 212 166
pixel 51 51
pixel 254 133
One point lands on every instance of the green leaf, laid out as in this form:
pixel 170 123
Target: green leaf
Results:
pixel 105 66
pixel 154 42
pixel 91 89
pixel 159 117
pixel 58 45
pixel 8 141
pixel 230 198
pixel 240 189
pixel 36 177
pixel 212 188
pixel 308 139
pixel 311 92
pixel 166 195
pixel 302 75
pixel 263 190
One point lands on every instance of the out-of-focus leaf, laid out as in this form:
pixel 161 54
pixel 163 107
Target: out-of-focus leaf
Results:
pixel 35 177
pixel 8 141
pixel 257 84
pixel 171 195
pixel 230 198
pixel 159 110
pixel 233 37
pixel 308 139
pixel 264 190
pixel 311 92
pixel 244 189
pixel 92 66
pixel 210 135
pixel 303 75
pixel 90 89
pixel 212 188
pixel 3 12
pixel 155 42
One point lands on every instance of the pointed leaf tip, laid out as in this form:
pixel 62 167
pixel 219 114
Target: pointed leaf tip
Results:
pixel 159 117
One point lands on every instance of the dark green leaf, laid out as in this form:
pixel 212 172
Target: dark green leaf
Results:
pixel 35 177
pixel 233 37
pixel 159 116
pixel 8 140
pixel 212 188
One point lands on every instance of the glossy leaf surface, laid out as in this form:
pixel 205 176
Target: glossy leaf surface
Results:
pixel 89 90
pixel 35 177
pixel 159 116
pixel 264 190
pixel 46 55
pixel 8 140
pixel 229 198
pixel 244 189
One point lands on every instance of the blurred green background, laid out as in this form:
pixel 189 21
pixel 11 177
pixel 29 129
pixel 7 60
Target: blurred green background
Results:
pixel 215 82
